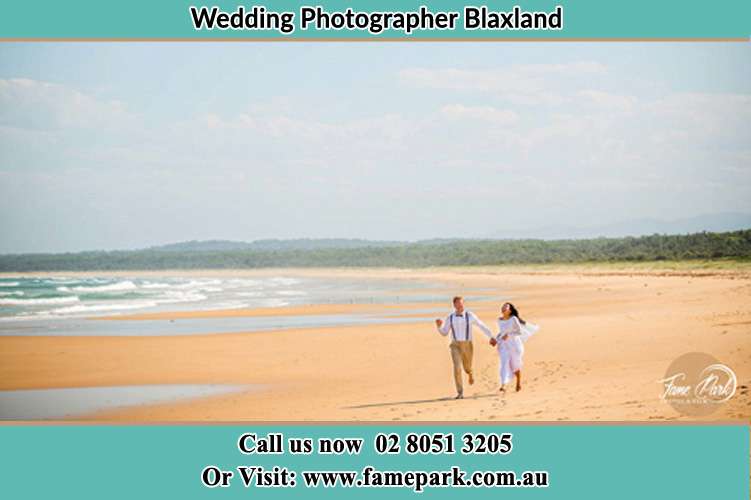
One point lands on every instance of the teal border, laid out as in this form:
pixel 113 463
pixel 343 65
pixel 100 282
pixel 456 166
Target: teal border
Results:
pixel 625 461
pixel 170 20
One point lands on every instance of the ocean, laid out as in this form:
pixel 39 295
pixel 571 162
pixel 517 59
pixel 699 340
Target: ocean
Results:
pixel 47 300
pixel 60 297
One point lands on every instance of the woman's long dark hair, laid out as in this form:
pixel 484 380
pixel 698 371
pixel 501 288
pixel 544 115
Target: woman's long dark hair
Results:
pixel 514 312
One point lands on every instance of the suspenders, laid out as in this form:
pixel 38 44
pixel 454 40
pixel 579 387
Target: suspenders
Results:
pixel 466 324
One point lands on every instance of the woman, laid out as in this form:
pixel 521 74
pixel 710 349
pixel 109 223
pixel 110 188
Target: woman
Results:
pixel 512 333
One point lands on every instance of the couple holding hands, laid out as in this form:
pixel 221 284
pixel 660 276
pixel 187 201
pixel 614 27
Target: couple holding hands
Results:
pixel 509 341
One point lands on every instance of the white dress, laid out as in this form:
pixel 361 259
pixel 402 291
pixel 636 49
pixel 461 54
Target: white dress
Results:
pixel 511 350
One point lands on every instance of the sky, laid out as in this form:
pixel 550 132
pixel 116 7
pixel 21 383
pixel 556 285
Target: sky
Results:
pixel 129 145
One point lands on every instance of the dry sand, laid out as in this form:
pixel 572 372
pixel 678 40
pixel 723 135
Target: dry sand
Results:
pixel 607 337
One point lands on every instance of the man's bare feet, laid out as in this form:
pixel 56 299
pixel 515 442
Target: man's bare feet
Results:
pixel 459 396
pixel 471 379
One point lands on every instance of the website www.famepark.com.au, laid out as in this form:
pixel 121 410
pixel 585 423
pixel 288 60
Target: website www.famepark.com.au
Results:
pixel 370 477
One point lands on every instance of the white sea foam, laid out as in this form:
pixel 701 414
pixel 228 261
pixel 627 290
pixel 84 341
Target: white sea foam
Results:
pixel 69 296
pixel 43 301
pixel 198 284
pixel 227 305
pixel 240 282
pixel 204 285
pixel 114 287
pixel 273 303
pixel 100 308
pixel 63 280
pixel 175 297
pixel 281 281
pixel 151 285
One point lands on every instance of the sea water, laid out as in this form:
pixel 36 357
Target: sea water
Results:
pixel 59 297
pixel 62 305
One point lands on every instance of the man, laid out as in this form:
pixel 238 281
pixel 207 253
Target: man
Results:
pixel 460 323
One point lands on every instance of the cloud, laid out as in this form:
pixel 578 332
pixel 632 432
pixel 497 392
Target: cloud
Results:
pixel 522 84
pixel 554 132
pixel 609 101
pixel 483 113
pixel 39 105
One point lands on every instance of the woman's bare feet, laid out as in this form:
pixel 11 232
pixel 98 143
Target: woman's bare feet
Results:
pixel 502 389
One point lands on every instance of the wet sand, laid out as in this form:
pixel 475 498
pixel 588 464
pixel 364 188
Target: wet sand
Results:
pixel 607 337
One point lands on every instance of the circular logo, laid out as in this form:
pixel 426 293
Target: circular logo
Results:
pixel 697 384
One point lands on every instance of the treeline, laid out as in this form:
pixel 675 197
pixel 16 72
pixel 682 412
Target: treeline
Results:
pixel 704 245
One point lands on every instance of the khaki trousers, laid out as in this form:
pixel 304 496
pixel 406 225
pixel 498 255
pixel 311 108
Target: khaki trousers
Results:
pixel 461 357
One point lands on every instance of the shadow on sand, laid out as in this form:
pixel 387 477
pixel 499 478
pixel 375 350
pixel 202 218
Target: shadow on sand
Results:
pixel 417 401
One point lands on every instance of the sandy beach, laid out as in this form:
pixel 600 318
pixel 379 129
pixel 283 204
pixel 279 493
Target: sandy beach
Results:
pixel 607 338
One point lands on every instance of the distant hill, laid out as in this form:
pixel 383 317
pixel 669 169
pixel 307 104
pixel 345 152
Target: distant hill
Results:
pixel 271 244
pixel 292 253
pixel 717 223
pixel 202 246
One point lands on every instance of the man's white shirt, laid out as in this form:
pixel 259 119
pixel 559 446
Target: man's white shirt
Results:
pixel 462 330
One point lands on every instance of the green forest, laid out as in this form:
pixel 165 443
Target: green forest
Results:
pixel 705 245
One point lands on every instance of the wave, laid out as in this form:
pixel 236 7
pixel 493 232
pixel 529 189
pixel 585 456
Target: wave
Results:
pixel 114 287
pixel 240 282
pixel 204 285
pixel 284 281
pixel 273 303
pixel 101 308
pixel 68 296
pixel 175 297
pixel 41 301
pixel 227 305
pixel 151 285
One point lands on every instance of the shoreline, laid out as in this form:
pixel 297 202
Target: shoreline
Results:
pixel 669 267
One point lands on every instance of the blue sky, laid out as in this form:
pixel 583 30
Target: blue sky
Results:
pixel 109 145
